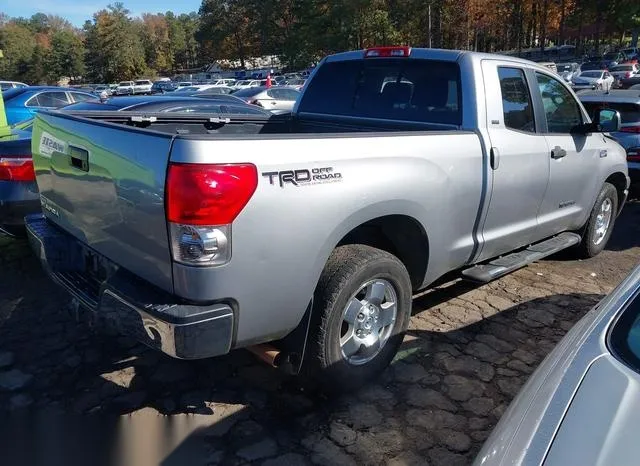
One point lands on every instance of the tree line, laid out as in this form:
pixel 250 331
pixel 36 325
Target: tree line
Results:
pixel 113 46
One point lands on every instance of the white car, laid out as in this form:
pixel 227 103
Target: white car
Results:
pixel 125 88
pixel 593 79
pixel 142 86
pixel 250 83
pixel 4 85
pixel 224 82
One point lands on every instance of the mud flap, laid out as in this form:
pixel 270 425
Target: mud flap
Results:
pixel 293 346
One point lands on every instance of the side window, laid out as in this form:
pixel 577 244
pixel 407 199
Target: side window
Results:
pixel 79 97
pixel 49 99
pixel 624 338
pixel 560 107
pixel 289 94
pixel 516 100
pixel 274 93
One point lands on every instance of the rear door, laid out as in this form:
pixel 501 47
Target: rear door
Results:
pixel 104 184
pixel 573 158
pixel 519 160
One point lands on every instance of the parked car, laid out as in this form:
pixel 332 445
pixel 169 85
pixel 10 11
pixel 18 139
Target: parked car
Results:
pixel 170 103
pixel 276 98
pixel 596 79
pixel 250 83
pixel 612 59
pixel 182 84
pixel 18 190
pixel 163 86
pixel 593 65
pixel 297 84
pixel 631 52
pixel 142 86
pixel 124 88
pixel 99 89
pixel 568 70
pixel 549 64
pixel 630 82
pixel 5 85
pixel 223 82
pixel 21 103
pixel 580 406
pixel 625 71
pixel 310 256
pixel 217 90
pixel 627 103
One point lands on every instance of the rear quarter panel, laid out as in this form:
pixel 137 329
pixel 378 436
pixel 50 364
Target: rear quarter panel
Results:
pixel 283 237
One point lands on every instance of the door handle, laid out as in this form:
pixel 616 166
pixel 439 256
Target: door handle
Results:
pixel 495 158
pixel 558 152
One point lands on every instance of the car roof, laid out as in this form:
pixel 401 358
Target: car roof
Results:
pixel 620 96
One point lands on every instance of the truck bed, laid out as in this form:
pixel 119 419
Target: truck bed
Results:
pixel 243 125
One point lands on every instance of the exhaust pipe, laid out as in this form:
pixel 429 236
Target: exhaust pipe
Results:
pixel 267 353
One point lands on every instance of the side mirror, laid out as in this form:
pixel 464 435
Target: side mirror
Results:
pixel 608 120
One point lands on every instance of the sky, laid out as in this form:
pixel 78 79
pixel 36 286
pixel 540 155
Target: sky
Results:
pixel 77 12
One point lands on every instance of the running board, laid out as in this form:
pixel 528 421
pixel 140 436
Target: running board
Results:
pixel 495 268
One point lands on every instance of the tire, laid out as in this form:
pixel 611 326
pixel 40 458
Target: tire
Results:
pixel 598 229
pixel 372 279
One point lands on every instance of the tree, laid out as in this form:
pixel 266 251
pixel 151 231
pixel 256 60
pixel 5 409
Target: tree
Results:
pixel 18 44
pixel 66 57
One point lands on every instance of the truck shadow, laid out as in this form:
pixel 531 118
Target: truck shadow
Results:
pixel 234 409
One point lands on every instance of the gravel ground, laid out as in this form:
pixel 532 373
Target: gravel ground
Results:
pixel 468 352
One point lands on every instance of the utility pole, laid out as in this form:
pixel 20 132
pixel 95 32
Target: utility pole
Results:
pixel 429 16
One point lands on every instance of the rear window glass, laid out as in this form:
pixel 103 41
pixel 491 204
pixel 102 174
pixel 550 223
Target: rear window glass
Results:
pixel 591 74
pixel 629 113
pixel 622 68
pixel 249 92
pixel 425 91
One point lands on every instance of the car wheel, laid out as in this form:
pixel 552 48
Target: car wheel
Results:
pixel 598 229
pixel 362 307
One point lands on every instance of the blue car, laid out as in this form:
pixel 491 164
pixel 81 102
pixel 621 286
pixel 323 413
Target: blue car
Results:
pixel 22 103
pixel 18 189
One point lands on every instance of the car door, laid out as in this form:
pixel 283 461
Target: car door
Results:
pixel 573 158
pixel 519 160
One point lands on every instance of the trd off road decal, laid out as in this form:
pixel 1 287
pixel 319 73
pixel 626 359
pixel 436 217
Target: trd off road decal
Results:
pixel 303 177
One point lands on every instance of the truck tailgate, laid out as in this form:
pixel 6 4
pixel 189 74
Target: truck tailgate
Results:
pixel 104 184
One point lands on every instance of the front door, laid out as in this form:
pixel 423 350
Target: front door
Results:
pixel 573 159
pixel 519 160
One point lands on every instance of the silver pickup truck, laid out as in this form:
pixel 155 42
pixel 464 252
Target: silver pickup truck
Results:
pixel 302 237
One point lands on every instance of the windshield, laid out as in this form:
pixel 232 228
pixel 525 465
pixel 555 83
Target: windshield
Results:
pixel 622 68
pixel 426 91
pixel 591 74
pixel 125 83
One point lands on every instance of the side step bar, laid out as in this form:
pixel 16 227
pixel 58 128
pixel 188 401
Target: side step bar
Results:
pixel 496 268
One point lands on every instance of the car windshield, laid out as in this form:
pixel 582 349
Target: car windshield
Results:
pixel 243 83
pixel 622 68
pixel 591 74
pixel 125 83
pixel 564 67
pixel 189 89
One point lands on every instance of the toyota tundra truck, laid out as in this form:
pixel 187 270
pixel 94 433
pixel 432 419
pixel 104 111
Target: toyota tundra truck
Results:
pixel 302 237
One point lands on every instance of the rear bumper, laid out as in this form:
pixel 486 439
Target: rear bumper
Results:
pixel 125 302
pixel 16 201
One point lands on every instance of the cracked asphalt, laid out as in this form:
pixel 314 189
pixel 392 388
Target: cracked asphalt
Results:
pixel 468 352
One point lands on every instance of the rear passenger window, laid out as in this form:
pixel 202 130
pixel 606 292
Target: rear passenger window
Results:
pixel 425 91
pixel 516 100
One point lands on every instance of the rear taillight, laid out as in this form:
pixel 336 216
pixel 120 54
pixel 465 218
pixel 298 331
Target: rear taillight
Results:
pixel 202 201
pixel 17 168
pixel 630 129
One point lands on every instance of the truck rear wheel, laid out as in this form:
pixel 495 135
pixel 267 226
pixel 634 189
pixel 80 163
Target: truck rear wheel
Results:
pixel 598 229
pixel 362 307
